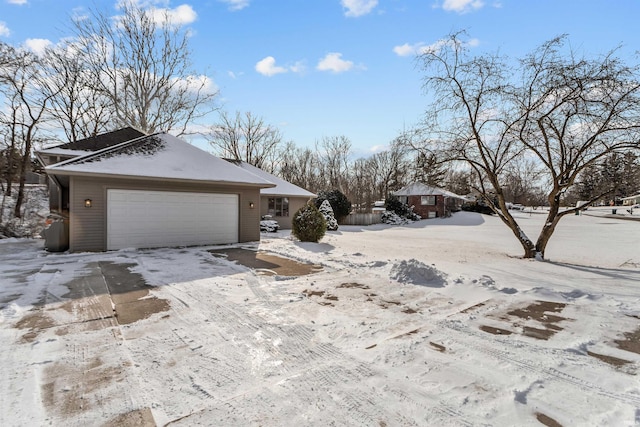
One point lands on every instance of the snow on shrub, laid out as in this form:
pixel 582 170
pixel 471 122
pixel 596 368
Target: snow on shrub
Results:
pixel 418 273
pixel 327 212
pixel 398 212
pixel 35 208
pixel 339 203
pixel 308 224
pixel 394 219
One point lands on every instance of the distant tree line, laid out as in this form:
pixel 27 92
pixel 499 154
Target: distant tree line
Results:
pixel 330 165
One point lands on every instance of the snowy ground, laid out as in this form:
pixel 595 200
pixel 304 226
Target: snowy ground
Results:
pixel 434 323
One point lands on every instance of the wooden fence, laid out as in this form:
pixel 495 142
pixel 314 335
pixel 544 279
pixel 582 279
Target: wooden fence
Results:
pixel 362 219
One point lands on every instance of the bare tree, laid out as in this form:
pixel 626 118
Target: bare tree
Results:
pixel 390 170
pixel 246 137
pixel 79 109
pixel 25 106
pixel 142 66
pixel 334 155
pixel 300 167
pixel 361 190
pixel 564 111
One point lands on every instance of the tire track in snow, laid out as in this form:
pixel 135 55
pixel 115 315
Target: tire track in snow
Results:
pixel 311 371
pixel 478 342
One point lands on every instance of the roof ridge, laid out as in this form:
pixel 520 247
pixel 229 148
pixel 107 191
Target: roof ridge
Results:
pixel 94 154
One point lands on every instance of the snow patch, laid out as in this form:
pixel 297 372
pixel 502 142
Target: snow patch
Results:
pixel 418 273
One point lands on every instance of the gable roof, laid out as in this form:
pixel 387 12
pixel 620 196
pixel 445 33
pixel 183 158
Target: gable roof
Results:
pixel 94 143
pixel 282 187
pixel 420 189
pixel 158 156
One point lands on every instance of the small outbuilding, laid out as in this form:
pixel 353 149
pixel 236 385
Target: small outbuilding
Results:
pixel 430 202
pixel 153 191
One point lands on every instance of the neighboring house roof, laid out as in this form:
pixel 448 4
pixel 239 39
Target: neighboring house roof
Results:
pixel 420 189
pixel 637 196
pixel 282 187
pixel 94 143
pixel 159 156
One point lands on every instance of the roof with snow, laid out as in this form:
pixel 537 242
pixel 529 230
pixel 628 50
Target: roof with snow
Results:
pixel 282 187
pixel 637 196
pixel 94 143
pixel 420 189
pixel 159 156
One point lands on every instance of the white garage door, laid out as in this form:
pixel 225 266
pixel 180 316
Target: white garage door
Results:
pixel 148 219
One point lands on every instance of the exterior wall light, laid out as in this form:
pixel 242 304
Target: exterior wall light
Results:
pixel 87 203
pixel 251 205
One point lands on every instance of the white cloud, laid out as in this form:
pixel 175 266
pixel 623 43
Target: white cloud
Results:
pixel 333 62
pixel 378 148
pixel 407 49
pixel 473 43
pixel 462 6
pixel 199 83
pixel 181 15
pixel 268 67
pixel 18 2
pixel 236 4
pixel 4 30
pixel 357 8
pixel 37 46
pixel 422 48
pixel 298 67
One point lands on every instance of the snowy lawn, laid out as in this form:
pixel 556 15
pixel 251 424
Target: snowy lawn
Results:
pixel 434 323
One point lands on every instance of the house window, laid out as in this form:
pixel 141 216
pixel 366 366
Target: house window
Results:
pixel 279 206
pixel 428 200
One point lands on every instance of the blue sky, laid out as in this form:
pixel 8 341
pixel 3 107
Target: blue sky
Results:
pixel 317 68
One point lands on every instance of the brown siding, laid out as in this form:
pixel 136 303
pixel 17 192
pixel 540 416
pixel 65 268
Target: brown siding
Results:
pixel 285 222
pixel 88 225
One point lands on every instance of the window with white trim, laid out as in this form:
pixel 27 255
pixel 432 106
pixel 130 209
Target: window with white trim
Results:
pixel 428 200
pixel 278 206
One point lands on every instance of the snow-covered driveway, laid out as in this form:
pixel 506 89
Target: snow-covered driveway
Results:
pixel 435 323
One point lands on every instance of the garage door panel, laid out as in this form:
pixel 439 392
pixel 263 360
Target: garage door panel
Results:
pixel 137 218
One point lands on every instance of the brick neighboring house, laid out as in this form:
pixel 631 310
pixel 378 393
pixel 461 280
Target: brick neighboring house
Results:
pixel 430 202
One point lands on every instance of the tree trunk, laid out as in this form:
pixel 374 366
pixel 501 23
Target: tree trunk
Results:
pixel 530 251
pixel 9 171
pixel 24 167
pixel 550 225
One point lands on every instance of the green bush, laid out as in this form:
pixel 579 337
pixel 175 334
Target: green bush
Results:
pixel 339 203
pixel 393 204
pixel 308 224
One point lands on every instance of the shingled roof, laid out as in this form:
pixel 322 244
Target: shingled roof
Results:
pixel 158 156
pixel 282 188
pixel 104 140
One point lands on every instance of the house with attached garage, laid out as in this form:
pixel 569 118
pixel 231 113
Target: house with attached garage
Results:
pixel 153 191
pixel 279 202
